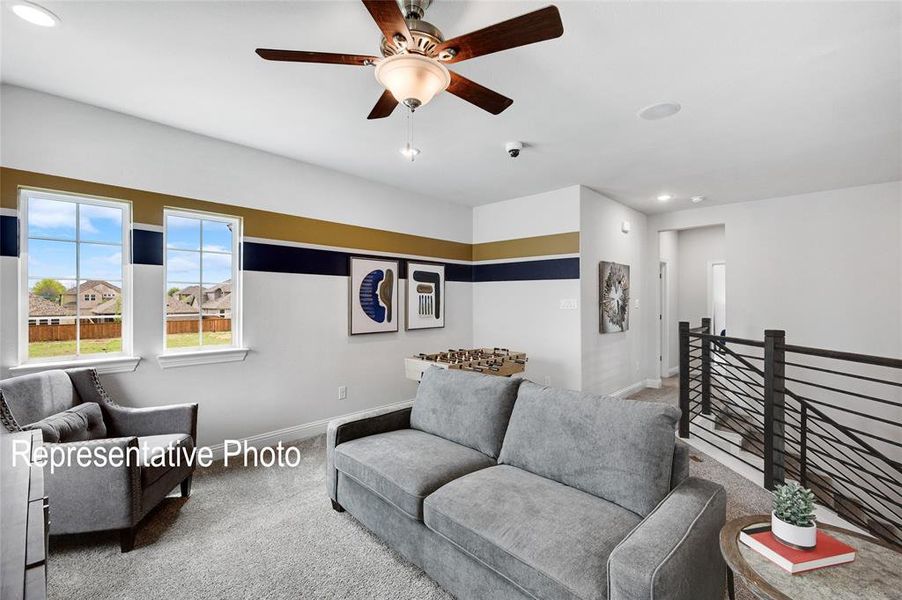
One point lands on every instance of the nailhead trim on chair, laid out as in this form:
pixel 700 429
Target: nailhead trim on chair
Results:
pixel 6 416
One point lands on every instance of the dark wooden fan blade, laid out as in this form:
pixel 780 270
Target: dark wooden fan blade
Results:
pixel 387 15
pixel 314 57
pixel 384 106
pixel 478 95
pixel 537 26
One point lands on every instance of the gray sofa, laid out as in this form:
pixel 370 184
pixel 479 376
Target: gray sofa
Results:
pixel 72 405
pixel 506 491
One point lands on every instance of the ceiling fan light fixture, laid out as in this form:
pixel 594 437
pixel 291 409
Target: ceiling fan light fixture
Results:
pixel 412 79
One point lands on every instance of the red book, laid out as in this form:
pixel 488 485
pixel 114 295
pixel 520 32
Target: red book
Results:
pixel 828 552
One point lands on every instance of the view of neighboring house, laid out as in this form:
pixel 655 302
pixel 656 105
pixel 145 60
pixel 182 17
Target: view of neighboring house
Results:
pixel 215 301
pixel 93 293
pixel 176 310
pixel 42 311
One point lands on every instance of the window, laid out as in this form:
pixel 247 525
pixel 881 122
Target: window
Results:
pixel 73 246
pixel 202 297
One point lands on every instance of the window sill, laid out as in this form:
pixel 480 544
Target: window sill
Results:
pixel 201 357
pixel 117 364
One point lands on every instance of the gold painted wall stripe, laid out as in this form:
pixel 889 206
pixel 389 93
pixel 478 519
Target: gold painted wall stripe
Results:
pixel 147 208
pixel 543 245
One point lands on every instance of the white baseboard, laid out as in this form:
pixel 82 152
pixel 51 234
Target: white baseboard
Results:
pixel 654 383
pixel 629 390
pixel 300 432
pixel 673 371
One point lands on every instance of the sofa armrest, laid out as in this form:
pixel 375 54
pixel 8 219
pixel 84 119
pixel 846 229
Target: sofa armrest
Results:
pixel 345 429
pixel 97 496
pixel 155 420
pixel 674 552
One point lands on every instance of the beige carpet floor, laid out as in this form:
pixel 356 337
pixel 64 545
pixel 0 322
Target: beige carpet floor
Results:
pixel 270 534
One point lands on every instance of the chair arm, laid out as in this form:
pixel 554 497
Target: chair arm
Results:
pixel 345 429
pixel 674 552
pixel 94 497
pixel 155 420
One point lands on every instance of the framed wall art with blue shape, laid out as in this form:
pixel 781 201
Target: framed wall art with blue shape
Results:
pixel 373 297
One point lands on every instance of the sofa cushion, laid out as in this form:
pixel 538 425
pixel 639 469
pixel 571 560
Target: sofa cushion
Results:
pixel 405 466
pixel 465 407
pixel 79 423
pixel 153 447
pixel 619 450
pixel 551 539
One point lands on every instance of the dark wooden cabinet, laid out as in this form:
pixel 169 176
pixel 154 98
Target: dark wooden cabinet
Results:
pixel 25 522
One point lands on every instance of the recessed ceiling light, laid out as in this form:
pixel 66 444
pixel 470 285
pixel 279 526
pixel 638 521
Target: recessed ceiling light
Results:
pixel 659 111
pixel 697 199
pixel 664 197
pixel 36 15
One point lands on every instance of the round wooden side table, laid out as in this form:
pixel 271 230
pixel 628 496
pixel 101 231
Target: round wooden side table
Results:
pixel 875 574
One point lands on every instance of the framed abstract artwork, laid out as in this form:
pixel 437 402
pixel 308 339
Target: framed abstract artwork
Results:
pixel 425 296
pixel 613 297
pixel 373 295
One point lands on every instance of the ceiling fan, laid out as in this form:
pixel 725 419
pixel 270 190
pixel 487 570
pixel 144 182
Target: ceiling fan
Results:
pixel 414 54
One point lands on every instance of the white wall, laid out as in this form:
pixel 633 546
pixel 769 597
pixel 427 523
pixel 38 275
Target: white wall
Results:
pixel 527 315
pixel 824 266
pixel 295 325
pixel 62 137
pixel 611 362
pixel 697 247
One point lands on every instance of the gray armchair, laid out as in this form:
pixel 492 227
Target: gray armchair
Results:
pixel 96 498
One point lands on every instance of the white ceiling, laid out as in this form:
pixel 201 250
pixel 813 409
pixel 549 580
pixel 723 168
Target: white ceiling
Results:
pixel 778 98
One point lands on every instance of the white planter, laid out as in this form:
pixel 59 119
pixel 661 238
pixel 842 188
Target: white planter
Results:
pixel 793 535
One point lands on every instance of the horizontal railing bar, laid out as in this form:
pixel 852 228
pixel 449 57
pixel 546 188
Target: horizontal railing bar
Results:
pixel 840 391
pixel 740 380
pixel 851 412
pixel 868 359
pixel 866 453
pixel 714 385
pixel 846 429
pixel 849 493
pixel 818 449
pixel 840 373
pixel 722 339
pixel 871 492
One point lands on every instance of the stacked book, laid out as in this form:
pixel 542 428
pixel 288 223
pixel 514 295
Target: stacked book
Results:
pixel 828 552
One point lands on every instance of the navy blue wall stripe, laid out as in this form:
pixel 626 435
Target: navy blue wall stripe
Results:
pixel 147 249
pixel 274 258
pixel 530 270
pixel 9 235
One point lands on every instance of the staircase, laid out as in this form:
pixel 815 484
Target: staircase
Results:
pixel 738 408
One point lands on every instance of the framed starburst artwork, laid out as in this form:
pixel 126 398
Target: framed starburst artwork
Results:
pixel 613 297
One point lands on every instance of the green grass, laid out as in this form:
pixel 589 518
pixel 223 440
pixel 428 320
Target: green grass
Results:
pixel 107 346
pixel 188 340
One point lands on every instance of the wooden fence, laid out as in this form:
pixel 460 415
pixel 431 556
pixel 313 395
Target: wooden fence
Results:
pixel 100 331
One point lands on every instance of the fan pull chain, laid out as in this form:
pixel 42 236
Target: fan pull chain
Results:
pixel 409 151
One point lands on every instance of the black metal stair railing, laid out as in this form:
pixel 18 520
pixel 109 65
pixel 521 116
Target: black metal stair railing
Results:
pixel 838 430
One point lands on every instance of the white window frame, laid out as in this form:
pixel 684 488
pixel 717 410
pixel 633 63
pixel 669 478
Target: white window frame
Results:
pixel 176 357
pixel 107 362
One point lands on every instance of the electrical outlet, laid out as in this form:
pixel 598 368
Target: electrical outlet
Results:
pixel 568 304
pixel 547 380
pixel 342 392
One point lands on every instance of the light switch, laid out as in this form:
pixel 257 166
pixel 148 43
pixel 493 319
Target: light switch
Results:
pixel 568 304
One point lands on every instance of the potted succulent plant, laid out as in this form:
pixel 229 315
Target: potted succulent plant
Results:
pixel 792 521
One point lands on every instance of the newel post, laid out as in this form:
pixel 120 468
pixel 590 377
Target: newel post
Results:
pixel 774 414
pixel 706 368
pixel 684 379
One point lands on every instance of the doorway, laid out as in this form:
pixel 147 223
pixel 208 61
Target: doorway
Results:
pixel 717 296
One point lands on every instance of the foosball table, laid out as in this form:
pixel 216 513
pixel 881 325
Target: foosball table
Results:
pixel 491 361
